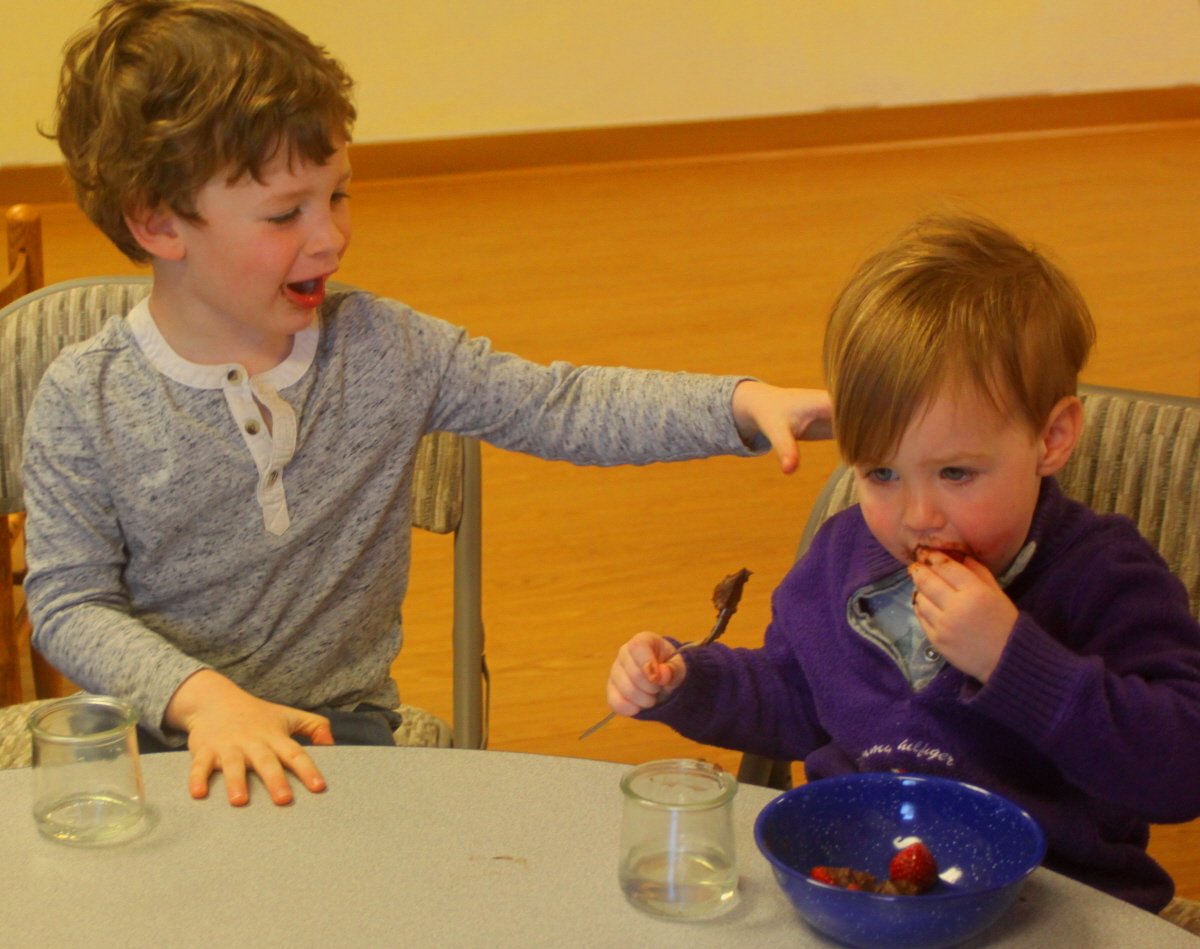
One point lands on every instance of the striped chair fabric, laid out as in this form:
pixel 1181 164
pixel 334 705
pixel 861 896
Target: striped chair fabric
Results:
pixel 35 329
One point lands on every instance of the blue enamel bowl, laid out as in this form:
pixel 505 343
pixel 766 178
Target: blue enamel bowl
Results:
pixel 985 847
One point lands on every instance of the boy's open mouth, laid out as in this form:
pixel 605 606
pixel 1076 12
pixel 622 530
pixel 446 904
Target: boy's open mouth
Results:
pixel 306 294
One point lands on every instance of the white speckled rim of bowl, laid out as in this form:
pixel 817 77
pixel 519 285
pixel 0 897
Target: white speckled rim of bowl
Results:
pixel 705 777
pixel 41 719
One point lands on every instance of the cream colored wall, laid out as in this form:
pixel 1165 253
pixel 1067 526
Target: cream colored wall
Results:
pixel 433 68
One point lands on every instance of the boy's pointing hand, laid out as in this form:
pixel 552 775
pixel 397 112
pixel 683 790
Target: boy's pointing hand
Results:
pixel 782 415
pixel 963 611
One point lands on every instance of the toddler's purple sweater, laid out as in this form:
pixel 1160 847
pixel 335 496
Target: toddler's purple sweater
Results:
pixel 1091 720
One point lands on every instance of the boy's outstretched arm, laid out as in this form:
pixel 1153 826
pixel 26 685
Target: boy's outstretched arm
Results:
pixel 232 731
pixel 783 416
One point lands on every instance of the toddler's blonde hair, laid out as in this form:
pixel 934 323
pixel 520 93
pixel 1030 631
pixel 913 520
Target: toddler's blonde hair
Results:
pixel 955 299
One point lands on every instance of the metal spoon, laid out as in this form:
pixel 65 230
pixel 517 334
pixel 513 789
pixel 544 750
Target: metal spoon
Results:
pixel 726 597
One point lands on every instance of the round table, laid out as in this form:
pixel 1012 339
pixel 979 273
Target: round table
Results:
pixel 417 847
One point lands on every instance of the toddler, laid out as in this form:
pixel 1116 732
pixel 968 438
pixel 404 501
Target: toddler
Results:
pixel 965 618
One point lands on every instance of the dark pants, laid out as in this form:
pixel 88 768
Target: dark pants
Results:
pixel 366 725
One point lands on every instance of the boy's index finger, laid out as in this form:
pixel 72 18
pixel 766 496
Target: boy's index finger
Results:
pixel 783 442
pixel 300 763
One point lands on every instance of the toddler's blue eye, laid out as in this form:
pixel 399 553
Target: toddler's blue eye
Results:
pixel 285 218
pixel 956 474
pixel 882 475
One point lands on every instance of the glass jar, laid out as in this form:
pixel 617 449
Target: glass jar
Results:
pixel 677 842
pixel 87 783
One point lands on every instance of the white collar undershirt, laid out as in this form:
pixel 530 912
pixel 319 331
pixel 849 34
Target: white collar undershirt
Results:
pixel 271 450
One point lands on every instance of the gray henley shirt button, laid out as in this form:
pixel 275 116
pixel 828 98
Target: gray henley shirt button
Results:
pixel 932 654
pixel 272 477
pixel 234 376
pixel 252 427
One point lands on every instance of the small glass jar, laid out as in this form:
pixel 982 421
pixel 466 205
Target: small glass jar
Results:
pixel 87 783
pixel 677 842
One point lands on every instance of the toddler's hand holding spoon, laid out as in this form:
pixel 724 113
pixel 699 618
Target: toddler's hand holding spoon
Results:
pixel 649 667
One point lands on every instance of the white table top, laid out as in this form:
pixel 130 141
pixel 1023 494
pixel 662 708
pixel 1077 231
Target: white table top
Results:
pixel 418 847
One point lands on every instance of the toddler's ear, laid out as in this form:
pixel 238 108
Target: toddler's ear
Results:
pixel 158 232
pixel 1060 435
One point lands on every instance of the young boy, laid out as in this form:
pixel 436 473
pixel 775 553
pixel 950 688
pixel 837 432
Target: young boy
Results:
pixel 965 619
pixel 218 482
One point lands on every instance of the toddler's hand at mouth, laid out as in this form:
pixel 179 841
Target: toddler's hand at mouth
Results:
pixel 923 554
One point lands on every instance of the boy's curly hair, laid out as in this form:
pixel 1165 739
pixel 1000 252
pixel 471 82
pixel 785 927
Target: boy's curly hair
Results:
pixel 955 299
pixel 158 96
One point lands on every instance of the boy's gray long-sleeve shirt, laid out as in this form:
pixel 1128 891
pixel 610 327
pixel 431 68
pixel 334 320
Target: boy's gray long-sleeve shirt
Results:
pixel 151 547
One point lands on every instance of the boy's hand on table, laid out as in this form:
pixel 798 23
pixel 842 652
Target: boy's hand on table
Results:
pixel 782 415
pixel 963 611
pixel 647 668
pixel 232 731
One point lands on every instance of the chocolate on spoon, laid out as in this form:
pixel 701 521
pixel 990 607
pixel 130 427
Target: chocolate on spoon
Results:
pixel 726 598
